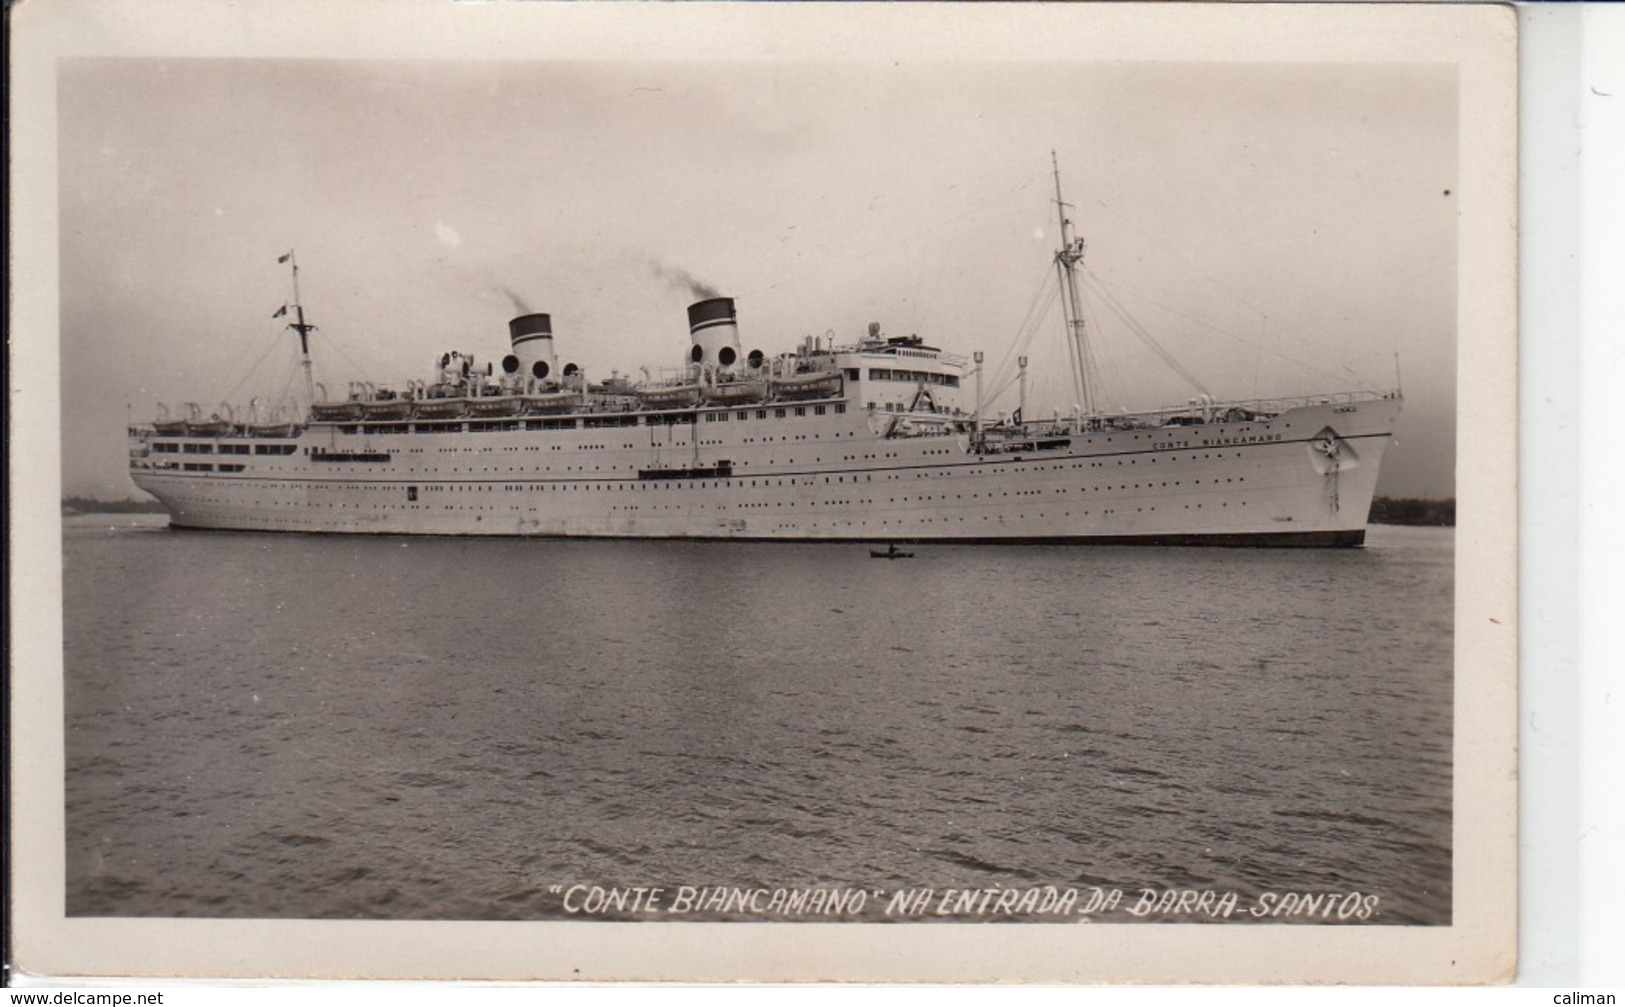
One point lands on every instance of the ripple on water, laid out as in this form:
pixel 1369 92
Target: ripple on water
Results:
pixel 250 734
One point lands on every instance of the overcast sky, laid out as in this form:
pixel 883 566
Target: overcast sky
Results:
pixel 1278 228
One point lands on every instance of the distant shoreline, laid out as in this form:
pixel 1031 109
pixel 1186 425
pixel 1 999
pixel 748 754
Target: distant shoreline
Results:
pixel 90 505
pixel 1413 511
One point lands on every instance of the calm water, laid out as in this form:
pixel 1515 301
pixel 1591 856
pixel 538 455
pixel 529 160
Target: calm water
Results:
pixel 292 726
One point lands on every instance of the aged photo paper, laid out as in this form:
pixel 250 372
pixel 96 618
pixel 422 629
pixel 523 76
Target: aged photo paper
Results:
pixel 322 756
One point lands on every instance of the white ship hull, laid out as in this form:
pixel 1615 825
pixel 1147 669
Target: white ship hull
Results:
pixel 1303 477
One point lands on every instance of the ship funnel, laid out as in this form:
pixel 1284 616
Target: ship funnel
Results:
pixel 714 328
pixel 532 339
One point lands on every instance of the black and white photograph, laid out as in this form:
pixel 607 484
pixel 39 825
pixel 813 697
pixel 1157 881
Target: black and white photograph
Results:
pixel 810 482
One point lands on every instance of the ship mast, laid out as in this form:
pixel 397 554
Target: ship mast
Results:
pixel 300 326
pixel 1066 261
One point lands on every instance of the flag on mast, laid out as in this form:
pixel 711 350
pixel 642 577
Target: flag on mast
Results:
pixel 285 256
pixel 281 311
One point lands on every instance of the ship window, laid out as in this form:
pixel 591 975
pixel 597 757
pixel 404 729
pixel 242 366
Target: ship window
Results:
pixel 840 407
pixel 742 415
pixel 761 414
pixel 778 414
pixel 801 410
pixel 198 449
pixel 819 410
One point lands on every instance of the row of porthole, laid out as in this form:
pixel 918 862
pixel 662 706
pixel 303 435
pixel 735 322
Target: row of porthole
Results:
pixel 917 475
pixel 753 483
pixel 781 526
pixel 845 503
pixel 686 484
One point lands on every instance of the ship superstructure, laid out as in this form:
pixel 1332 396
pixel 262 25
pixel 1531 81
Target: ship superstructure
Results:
pixel 880 438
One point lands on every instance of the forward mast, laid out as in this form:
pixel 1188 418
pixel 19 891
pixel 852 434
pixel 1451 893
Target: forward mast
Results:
pixel 1066 263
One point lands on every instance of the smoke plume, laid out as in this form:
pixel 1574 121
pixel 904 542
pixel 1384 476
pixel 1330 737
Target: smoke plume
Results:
pixel 518 305
pixel 683 280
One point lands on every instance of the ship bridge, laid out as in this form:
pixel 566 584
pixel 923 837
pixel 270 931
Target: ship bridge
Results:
pixel 901 374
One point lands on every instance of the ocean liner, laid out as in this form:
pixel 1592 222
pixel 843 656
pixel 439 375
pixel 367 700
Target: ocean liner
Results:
pixel 879 439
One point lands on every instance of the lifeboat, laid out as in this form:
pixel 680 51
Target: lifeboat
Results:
pixel 669 396
pixel 550 402
pixel 272 429
pixel 350 410
pixel 441 409
pixel 495 405
pixel 812 385
pixel 730 393
pixel 214 427
pixel 387 409
pixel 165 426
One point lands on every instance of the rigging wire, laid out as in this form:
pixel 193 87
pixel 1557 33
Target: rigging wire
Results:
pixel 1008 372
pixel 1005 372
pixel 340 350
pixel 1111 387
pixel 287 387
pixel 1250 344
pixel 1255 345
pixel 1117 308
pixel 269 346
pixel 1148 233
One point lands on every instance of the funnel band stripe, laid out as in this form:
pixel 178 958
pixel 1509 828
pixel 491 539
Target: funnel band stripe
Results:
pixel 711 325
